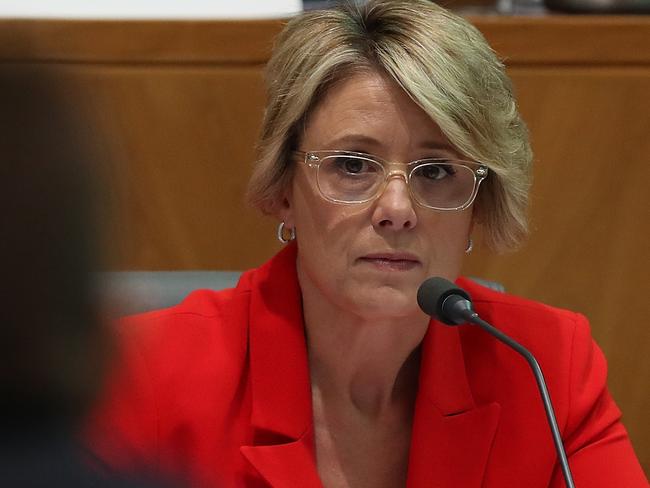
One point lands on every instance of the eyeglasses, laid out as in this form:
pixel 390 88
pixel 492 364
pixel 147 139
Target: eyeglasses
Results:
pixel 436 183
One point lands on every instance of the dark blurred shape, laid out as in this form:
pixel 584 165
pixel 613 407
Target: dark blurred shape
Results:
pixel 54 346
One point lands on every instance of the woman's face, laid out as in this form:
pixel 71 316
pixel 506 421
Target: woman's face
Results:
pixel 369 259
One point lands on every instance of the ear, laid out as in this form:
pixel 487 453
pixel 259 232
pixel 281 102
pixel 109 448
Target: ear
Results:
pixel 284 209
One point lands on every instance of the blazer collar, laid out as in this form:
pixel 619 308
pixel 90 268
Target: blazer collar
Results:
pixel 283 450
pixel 452 437
pixel 278 356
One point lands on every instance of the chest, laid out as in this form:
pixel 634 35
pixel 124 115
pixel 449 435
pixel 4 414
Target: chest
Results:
pixel 358 452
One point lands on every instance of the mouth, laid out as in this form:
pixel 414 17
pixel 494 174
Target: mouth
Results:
pixel 391 261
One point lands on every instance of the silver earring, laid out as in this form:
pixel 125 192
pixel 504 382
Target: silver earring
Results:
pixel 470 246
pixel 281 237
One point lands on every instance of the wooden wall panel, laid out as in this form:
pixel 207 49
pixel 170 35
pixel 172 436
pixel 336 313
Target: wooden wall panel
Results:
pixel 184 148
pixel 181 103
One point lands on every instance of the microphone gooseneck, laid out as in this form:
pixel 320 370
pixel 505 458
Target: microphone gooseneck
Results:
pixel 452 305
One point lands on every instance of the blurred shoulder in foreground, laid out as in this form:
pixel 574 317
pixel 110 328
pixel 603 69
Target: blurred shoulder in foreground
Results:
pixel 54 348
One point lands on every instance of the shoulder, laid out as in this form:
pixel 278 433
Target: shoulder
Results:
pixel 523 317
pixel 164 361
pixel 576 374
pixel 559 339
pixel 206 331
pixel 201 307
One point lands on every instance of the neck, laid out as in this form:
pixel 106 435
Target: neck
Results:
pixel 371 365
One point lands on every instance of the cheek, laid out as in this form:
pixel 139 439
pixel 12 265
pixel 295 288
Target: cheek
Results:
pixel 327 235
pixel 446 238
pixel 322 224
pixel 312 220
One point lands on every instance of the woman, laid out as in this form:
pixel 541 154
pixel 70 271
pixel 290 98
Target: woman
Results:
pixel 319 369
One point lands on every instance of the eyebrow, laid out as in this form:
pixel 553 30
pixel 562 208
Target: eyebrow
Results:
pixel 362 139
pixel 436 146
pixel 352 139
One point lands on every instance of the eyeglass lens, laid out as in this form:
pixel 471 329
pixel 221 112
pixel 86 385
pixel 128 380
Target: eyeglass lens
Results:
pixel 348 178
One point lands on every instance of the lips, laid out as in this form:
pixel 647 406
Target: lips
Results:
pixel 398 261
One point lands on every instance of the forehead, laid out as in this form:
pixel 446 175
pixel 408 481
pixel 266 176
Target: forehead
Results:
pixel 372 111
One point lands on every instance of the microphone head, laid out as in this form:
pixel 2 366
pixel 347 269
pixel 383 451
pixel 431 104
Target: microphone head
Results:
pixel 432 294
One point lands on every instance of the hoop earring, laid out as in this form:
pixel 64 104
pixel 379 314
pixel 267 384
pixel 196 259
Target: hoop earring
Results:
pixel 470 246
pixel 280 234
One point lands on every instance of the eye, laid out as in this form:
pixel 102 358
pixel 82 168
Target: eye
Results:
pixel 353 165
pixel 437 171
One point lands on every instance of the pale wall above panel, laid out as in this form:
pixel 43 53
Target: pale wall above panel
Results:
pixel 149 9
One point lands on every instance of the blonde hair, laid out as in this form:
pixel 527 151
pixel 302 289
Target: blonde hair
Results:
pixel 441 61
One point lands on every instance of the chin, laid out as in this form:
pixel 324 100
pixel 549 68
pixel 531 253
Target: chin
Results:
pixel 380 303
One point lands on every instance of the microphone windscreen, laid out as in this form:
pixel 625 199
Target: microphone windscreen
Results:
pixel 432 294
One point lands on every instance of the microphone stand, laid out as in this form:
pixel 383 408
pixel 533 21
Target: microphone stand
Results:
pixel 472 317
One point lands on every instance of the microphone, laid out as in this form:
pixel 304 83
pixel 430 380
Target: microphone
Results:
pixel 443 300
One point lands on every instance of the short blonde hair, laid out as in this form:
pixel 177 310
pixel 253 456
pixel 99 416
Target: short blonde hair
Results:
pixel 441 61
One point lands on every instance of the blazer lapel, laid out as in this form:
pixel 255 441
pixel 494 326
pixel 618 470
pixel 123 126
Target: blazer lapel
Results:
pixel 452 438
pixel 282 451
pixel 287 465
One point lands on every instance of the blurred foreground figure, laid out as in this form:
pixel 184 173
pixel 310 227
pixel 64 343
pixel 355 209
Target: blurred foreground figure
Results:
pixel 53 345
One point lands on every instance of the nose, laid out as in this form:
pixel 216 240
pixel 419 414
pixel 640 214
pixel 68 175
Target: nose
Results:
pixel 394 208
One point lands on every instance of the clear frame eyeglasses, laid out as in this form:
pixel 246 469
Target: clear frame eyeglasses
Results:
pixel 435 183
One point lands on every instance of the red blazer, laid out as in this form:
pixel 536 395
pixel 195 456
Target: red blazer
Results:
pixel 217 390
